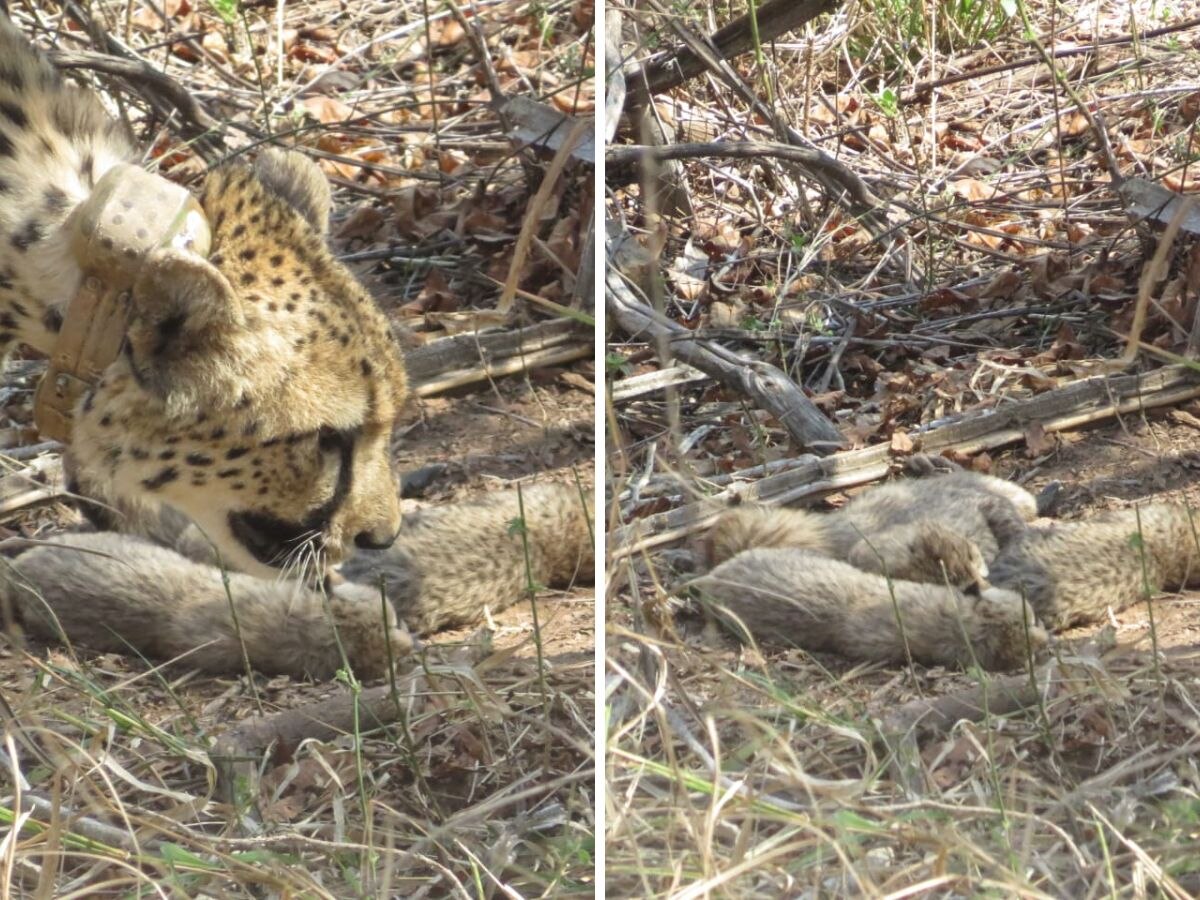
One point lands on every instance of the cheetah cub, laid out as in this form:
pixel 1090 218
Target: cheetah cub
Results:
pixel 1040 578
pixel 939 529
pixel 117 593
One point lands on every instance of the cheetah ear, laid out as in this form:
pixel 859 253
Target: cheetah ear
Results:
pixel 181 304
pixel 298 181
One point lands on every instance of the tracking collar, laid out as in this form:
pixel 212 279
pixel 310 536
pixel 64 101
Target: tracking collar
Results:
pixel 129 213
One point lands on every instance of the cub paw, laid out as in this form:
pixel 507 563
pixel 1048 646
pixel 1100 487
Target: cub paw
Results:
pixel 944 557
pixel 1004 630
pixel 370 642
pixel 925 552
pixel 925 464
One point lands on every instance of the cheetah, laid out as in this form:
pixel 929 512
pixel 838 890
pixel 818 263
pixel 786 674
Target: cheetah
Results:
pixel 257 388
pixel 113 592
pixel 923 529
pixel 788 578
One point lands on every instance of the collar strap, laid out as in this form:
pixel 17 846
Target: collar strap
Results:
pixel 128 214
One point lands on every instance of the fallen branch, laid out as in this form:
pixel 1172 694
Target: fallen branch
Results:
pixel 837 180
pixel 237 754
pixel 1150 201
pixel 1079 403
pixel 543 127
pixel 672 69
pixel 903 729
pixel 935 716
pixel 76 825
pixel 614 75
pixel 635 386
pixel 921 89
pixel 470 358
pixel 768 387
pixel 196 124
pixel 538 359
pixel 847 187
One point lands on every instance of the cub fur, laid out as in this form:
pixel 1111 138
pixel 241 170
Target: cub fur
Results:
pixel 1072 573
pixel 114 593
pixel 938 529
pixel 1068 573
pixel 259 387
pixel 803 598
pixel 117 593
pixel 452 561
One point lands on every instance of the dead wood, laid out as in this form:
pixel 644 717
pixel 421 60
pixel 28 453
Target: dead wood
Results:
pixel 673 68
pixel 635 386
pixel 934 716
pixel 196 122
pixel 614 72
pixel 584 294
pixel 921 90
pixel 1152 202
pixel 1079 403
pixel 663 180
pixel 48 811
pixel 464 359
pixel 237 754
pixel 903 729
pixel 838 181
pixel 847 187
pixel 31 451
pixel 768 387
pixel 540 125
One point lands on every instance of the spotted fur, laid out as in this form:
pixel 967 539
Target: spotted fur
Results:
pixel 258 388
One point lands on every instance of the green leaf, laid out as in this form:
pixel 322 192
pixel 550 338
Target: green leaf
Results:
pixel 181 856
pixel 888 102
pixel 226 9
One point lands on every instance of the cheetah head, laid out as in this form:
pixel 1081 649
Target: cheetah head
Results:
pixel 258 388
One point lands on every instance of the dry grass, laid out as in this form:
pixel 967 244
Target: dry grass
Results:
pixel 740 775
pixel 486 782
pixel 486 787
pixel 1009 267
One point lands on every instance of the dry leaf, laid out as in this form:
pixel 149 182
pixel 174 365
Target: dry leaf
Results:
pixel 364 222
pixel 689 272
pixel 327 110
pixel 972 189
pixel 435 296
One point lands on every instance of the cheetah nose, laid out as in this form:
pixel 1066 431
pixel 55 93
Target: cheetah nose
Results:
pixel 375 540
